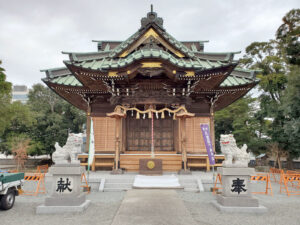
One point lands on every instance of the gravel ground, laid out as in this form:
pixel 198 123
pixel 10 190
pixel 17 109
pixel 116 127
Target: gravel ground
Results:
pixel 102 209
pixel 282 210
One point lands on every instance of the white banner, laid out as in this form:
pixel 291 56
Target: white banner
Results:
pixel 91 144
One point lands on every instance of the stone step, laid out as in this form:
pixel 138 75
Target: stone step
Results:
pixel 191 189
pixel 119 180
pixel 118 185
pixel 116 189
pixel 191 185
pixel 184 181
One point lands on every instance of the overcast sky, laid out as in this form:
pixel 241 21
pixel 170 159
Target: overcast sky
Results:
pixel 34 32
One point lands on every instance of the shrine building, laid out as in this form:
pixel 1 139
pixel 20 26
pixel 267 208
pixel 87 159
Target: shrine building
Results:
pixel 148 95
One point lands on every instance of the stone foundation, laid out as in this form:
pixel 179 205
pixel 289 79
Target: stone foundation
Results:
pixel 236 192
pixel 66 192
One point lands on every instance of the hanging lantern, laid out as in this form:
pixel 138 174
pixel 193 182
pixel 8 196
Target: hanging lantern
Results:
pixel 137 115
pixel 150 115
pixel 163 114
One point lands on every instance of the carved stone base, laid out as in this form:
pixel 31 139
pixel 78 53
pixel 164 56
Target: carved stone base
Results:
pixel 42 209
pixel 237 209
pixel 66 192
pixel 236 193
pixel 237 202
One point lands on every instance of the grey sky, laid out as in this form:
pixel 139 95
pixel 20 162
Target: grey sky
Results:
pixel 34 32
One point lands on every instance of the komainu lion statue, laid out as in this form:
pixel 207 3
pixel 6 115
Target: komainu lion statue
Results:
pixel 68 153
pixel 234 156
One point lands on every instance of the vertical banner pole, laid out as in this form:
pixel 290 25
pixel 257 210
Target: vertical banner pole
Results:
pixel 152 136
pixel 208 145
pixel 91 148
pixel 88 129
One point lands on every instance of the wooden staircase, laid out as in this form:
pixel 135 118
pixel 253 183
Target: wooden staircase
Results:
pixel 170 160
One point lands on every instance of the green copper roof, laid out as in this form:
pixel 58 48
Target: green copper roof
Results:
pixel 68 80
pixel 108 58
pixel 177 44
pixel 235 81
pixel 109 63
pixel 180 46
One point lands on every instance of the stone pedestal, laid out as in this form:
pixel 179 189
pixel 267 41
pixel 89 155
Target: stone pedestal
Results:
pixel 117 172
pixel 236 191
pixel 66 192
pixel 150 167
pixel 184 172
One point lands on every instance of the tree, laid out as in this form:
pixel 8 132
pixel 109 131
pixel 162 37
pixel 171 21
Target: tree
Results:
pixel 20 122
pixel 55 118
pixel 238 119
pixel 19 146
pixel 291 111
pixel 5 87
pixel 16 119
pixel 273 60
pixel 5 98
pixel 288 36
pixel 42 99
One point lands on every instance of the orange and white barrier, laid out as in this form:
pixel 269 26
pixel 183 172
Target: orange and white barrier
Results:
pixel 40 188
pixel 218 181
pixel 290 184
pixel 265 178
pixel 276 174
pixel 42 168
pixel 86 185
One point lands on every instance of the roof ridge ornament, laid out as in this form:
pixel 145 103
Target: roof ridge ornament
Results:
pixel 151 18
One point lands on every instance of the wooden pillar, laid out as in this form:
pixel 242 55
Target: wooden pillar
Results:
pixel 117 153
pixel 179 136
pixel 183 115
pixel 183 142
pixel 118 115
pixel 212 130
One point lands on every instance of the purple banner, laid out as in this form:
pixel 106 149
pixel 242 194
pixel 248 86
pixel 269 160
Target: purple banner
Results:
pixel 208 144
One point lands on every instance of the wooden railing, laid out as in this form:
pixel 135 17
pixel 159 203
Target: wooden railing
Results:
pixel 100 160
pixel 202 161
pixel 130 160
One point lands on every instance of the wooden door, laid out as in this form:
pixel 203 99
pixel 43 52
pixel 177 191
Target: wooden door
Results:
pixel 138 134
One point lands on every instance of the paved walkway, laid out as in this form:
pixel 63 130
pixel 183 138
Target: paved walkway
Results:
pixel 152 207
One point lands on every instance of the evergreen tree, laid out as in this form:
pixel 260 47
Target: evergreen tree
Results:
pixel 291 111
pixel 54 118
pixel 5 99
